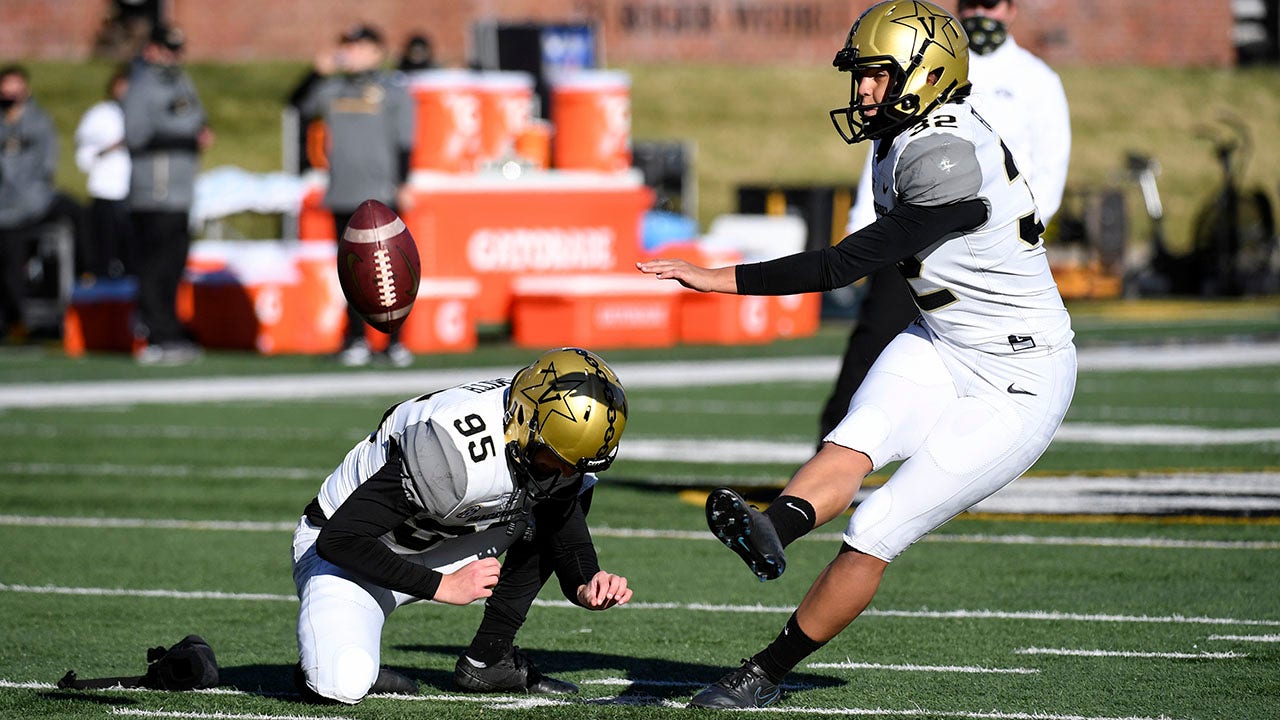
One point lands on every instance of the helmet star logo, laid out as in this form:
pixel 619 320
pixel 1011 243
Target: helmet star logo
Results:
pixel 552 394
pixel 939 27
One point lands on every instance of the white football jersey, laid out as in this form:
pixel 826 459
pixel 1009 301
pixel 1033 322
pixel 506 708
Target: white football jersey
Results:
pixel 989 288
pixel 458 476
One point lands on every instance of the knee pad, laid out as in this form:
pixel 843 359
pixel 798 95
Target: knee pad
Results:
pixel 348 677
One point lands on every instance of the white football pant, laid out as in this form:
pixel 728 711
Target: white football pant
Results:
pixel 967 423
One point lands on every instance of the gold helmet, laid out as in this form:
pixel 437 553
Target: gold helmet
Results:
pixel 913 40
pixel 565 415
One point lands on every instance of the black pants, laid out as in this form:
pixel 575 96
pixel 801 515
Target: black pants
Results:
pixel 15 252
pixel 355 323
pixel 886 310
pixel 525 569
pixel 163 242
pixel 111 244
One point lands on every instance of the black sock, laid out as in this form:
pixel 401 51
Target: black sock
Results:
pixel 489 649
pixel 786 651
pixel 792 517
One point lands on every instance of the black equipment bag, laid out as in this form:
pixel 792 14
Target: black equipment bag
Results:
pixel 188 665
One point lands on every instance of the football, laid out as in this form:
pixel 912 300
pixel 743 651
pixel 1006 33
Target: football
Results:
pixel 378 266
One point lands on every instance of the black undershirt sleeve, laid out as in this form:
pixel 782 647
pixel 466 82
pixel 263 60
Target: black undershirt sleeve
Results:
pixel 351 538
pixel 902 232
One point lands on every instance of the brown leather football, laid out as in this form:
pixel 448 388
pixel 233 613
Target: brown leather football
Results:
pixel 378 266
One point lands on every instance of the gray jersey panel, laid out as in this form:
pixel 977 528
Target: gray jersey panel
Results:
pixel 938 170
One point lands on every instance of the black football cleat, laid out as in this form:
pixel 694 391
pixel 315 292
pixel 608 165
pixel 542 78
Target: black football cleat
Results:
pixel 390 682
pixel 743 689
pixel 513 673
pixel 747 532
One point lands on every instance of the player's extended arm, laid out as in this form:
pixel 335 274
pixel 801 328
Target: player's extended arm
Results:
pixel 902 232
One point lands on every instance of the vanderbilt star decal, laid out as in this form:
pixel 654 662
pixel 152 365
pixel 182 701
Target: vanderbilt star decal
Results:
pixel 553 392
pixel 939 28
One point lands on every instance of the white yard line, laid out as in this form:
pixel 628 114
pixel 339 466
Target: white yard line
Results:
pixel 1032 615
pixel 525 702
pixel 1248 638
pixel 1071 652
pixel 133 712
pixel 970 669
pixel 654 534
pixel 636 375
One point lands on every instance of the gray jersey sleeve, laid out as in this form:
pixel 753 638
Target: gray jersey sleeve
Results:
pixel 437 479
pixel 938 169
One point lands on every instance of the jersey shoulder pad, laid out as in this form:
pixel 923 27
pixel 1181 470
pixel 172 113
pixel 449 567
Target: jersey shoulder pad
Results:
pixel 937 168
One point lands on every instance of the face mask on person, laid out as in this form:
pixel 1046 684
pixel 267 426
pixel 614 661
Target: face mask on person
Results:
pixel 7 102
pixel 985 34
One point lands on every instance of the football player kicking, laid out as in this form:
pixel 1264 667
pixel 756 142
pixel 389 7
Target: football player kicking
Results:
pixel 421 508
pixel 968 396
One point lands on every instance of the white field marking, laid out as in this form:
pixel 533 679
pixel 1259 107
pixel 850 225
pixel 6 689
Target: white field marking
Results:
pixel 653 534
pixel 1248 638
pixel 1033 615
pixel 928 713
pixel 146 524
pixel 642 682
pixel 977 669
pixel 132 712
pixel 637 375
pixel 1112 434
pixel 177 432
pixel 165 471
pixel 1142 493
pixel 1069 652
pixel 523 702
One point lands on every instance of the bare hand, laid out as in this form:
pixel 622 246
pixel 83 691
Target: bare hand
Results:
pixel 405 199
pixel 205 138
pixel 604 591
pixel 723 280
pixel 471 582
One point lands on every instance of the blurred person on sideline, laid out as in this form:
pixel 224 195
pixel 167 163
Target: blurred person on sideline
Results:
pixel 165 129
pixel 967 397
pixel 421 508
pixel 102 155
pixel 370 124
pixel 1024 101
pixel 28 198
pixel 418 54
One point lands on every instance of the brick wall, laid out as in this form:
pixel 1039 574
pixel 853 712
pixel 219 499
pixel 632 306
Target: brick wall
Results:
pixel 1063 32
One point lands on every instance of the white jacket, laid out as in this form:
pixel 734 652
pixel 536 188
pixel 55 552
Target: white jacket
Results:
pixel 102 127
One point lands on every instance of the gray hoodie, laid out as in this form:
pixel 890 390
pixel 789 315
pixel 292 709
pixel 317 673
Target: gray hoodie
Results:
pixel 370 123
pixel 162 119
pixel 28 159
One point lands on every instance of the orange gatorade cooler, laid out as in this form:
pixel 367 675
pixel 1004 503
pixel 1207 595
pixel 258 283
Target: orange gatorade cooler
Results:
pixel 591 112
pixel 447 128
pixel 506 107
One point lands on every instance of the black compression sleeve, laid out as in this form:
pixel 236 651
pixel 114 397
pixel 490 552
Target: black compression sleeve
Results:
pixel 351 538
pixel 573 553
pixel 900 233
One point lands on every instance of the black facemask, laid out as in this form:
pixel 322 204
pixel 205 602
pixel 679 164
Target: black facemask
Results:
pixel 985 34
pixel 6 103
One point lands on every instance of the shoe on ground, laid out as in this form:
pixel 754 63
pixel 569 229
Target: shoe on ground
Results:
pixel 390 682
pixel 170 353
pixel 356 354
pixel 745 688
pixel 513 673
pixel 399 355
pixel 747 532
